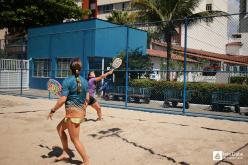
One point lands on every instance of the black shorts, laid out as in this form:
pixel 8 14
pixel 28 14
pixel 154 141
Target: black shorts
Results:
pixel 92 100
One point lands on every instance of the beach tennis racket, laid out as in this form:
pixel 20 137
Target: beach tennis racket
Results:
pixel 116 63
pixel 54 87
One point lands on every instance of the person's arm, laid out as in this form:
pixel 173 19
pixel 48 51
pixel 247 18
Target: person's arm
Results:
pixel 59 103
pixel 104 75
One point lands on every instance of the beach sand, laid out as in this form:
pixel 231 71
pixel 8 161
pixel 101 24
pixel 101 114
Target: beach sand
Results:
pixel 124 137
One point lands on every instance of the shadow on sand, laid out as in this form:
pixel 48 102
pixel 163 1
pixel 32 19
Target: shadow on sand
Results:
pixel 115 132
pixel 56 151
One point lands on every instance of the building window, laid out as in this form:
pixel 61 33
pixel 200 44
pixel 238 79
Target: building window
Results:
pixel 95 63
pixel 105 8
pixel 92 4
pixel 92 1
pixel 237 35
pixel 125 5
pixel 243 68
pixel 208 7
pixel 235 68
pixel 42 67
pixel 228 68
pixel 63 67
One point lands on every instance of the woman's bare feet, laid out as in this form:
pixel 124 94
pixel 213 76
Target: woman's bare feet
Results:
pixel 63 156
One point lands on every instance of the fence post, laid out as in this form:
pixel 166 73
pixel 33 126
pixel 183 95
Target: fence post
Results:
pixel 50 76
pixel 22 65
pixel 185 64
pixel 21 75
pixel 126 92
pixel 51 62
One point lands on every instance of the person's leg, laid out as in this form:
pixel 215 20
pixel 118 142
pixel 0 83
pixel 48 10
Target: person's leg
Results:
pixel 97 107
pixel 61 127
pixel 73 130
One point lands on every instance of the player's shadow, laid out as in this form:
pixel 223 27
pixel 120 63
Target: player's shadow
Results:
pixel 56 151
pixel 115 132
pixel 88 120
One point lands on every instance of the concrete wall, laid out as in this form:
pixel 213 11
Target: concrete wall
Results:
pixel 233 49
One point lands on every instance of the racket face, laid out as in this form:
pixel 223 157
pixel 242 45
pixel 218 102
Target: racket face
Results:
pixel 116 63
pixel 54 87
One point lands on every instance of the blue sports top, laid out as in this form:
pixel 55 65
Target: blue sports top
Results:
pixel 69 89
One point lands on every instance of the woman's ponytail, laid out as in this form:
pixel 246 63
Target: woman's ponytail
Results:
pixel 76 66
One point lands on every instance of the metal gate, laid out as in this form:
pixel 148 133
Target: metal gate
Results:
pixel 14 74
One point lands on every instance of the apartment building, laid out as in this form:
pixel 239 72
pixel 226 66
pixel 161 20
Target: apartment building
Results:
pixel 102 8
pixel 88 4
pixel 208 36
pixel 238 45
pixel 244 16
pixel 106 6
pixel 212 33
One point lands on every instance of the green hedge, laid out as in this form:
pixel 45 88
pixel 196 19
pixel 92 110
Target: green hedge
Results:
pixel 202 94
pixel 238 80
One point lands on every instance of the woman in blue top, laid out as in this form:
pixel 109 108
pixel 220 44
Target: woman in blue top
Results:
pixel 76 97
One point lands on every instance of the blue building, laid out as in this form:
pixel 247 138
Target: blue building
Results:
pixel 94 41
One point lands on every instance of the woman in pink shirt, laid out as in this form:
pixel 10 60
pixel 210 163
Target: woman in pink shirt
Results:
pixel 92 87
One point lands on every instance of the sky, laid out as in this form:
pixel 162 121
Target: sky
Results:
pixel 233 6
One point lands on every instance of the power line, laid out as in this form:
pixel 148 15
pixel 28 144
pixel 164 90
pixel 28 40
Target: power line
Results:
pixel 218 34
pixel 206 43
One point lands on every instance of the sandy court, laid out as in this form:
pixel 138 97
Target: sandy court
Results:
pixel 125 137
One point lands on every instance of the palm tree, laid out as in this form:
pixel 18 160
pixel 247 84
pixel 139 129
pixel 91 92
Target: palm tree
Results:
pixel 167 11
pixel 121 17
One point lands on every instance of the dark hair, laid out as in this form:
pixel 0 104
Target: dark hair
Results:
pixel 89 75
pixel 75 67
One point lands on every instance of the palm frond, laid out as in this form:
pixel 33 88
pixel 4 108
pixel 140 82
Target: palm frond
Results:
pixel 121 17
pixel 148 8
pixel 206 16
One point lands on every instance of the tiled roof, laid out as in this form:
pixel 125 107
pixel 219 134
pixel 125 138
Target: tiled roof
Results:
pixel 231 59
pixel 159 53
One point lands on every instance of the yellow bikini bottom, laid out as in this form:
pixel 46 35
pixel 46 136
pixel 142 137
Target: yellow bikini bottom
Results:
pixel 75 115
pixel 75 120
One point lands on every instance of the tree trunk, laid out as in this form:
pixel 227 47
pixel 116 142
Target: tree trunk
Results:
pixel 168 42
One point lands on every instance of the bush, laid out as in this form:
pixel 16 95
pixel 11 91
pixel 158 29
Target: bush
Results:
pixel 158 87
pixel 202 91
pixel 238 80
